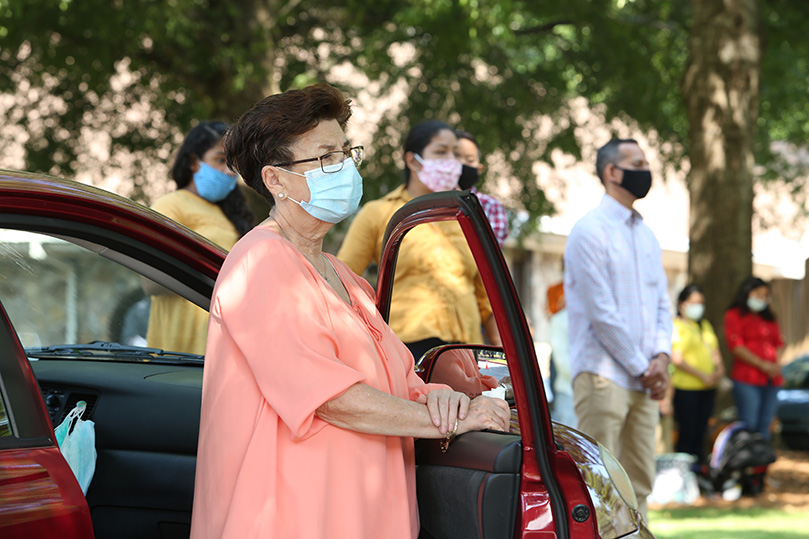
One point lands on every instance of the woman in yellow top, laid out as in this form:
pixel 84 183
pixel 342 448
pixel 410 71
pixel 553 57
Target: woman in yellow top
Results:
pixel 438 296
pixel 697 371
pixel 208 202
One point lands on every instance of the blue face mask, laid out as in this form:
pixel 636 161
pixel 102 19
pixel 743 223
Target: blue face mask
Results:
pixel 213 185
pixel 756 305
pixel 333 196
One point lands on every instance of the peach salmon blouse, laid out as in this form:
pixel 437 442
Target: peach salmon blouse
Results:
pixel 281 343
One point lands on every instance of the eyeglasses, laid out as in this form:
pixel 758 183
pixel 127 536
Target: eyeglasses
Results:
pixel 331 162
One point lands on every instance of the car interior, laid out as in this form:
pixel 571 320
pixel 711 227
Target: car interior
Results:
pixel 146 423
pixel 146 408
pixel 472 489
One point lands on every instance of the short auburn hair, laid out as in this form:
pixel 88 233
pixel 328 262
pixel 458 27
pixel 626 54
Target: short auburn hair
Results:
pixel 264 134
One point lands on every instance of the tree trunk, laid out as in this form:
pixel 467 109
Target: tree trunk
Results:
pixel 721 93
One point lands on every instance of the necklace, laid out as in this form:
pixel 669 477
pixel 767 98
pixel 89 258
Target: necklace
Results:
pixel 326 260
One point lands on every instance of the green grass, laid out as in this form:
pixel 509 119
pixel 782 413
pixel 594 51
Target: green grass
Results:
pixel 719 523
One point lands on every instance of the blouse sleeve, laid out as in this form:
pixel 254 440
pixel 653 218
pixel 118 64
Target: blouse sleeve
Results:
pixel 271 307
pixel 359 248
pixel 733 329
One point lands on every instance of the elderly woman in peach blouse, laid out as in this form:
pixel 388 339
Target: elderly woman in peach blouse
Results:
pixel 309 403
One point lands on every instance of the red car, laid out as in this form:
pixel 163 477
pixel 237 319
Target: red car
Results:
pixel 72 327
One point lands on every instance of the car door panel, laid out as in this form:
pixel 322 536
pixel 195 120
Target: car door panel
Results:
pixel 38 491
pixel 39 495
pixel 471 490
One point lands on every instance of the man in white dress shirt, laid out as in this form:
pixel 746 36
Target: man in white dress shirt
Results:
pixel 619 316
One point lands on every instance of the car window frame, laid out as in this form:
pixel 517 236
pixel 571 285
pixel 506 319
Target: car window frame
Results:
pixel 146 260
pixel 74 211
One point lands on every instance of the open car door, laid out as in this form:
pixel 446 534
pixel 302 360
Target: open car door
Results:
pixel 39 495
pixel 71 255
pixel 491 484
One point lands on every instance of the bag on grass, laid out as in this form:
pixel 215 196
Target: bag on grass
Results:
pixel 737 453
pixel 674 481
pixel 77 442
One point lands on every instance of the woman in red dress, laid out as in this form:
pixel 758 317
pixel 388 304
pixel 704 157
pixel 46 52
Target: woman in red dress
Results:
pixel 755 340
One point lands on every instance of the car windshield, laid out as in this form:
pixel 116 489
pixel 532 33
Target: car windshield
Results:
pixel 58 293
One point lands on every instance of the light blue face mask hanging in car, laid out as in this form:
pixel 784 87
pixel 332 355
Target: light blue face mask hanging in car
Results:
pixel 77 441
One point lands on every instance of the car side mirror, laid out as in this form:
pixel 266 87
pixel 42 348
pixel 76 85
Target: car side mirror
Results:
pixel 468 369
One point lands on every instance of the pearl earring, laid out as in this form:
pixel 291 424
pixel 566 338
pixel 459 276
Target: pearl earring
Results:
pixel 281 195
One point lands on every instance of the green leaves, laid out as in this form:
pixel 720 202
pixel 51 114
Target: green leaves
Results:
pixel 493 68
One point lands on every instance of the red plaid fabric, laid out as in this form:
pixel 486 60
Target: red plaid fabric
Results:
pixel 496 214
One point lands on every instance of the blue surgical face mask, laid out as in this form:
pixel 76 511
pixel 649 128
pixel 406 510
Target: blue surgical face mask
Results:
pixel 756 305
pixel 694 311
pixel 333 196
pixel 213 185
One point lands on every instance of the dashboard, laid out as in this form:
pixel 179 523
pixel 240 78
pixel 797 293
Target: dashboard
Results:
pixel 146 420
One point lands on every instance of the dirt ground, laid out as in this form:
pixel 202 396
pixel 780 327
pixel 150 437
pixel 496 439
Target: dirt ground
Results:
pixel 786 486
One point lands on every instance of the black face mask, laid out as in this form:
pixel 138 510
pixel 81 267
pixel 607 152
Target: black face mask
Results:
pixel 637 182
pixel 469 177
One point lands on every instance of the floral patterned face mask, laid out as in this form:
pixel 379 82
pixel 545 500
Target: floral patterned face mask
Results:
pixel 439 174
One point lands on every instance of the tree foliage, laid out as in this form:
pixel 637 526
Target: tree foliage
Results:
pixel 494 68
pixel 142 72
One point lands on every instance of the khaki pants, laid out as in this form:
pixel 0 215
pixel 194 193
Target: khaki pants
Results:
pixel 624 422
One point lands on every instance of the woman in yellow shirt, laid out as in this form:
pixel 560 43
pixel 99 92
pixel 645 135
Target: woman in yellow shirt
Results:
pixel 438 296
pixel 209 202
pixel 697 371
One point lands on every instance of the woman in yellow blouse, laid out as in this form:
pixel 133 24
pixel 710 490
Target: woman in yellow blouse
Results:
pixel 208 202
pixel 697 371
pixel 438 296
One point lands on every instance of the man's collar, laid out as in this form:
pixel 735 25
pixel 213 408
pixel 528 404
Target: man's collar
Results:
pixel 618 211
